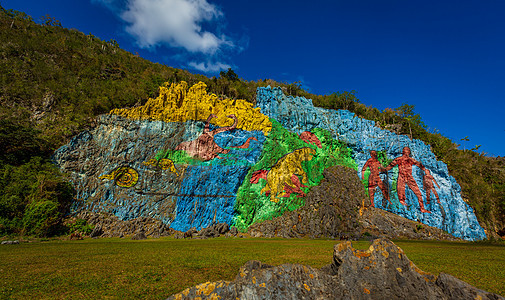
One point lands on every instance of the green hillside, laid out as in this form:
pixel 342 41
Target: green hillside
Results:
pixel 54 81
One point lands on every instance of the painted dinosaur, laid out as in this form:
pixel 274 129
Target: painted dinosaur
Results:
pixel 204 147
pixel 283 176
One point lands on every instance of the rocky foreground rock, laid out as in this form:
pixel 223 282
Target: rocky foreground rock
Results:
pixel 381 272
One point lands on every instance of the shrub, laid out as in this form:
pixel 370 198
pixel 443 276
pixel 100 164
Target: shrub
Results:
pixel 41 218
pixel 33 190
pixel 80 226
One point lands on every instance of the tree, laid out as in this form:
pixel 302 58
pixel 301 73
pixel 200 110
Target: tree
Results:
pixel 465 139
pixel 475 148
pixel 230 75
pixel 50 21
pixel 293 88
pixel 406 111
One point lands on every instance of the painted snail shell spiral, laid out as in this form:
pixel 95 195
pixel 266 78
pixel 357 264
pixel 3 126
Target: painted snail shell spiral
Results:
pixel 126 177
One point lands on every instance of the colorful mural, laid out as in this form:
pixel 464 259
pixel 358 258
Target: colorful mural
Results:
pixel 190 159
pixel 404 178
pixel 205 148
pixel 288 167
pixel 405 163
pixel 162 164
pixel 395 164
pixel 428 181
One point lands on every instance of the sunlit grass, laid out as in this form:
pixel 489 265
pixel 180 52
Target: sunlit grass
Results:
pixel 157 268
pixel 480 264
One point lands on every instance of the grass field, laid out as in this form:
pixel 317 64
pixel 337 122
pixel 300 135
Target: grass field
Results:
pixel 156 268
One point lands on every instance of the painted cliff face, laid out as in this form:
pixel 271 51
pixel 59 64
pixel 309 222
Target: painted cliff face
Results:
pixel 190 159
pixel 179 158
pixel 400 175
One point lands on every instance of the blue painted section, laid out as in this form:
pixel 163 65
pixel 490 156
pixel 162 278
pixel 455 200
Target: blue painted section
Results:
pixel 119 142
pixel 453 215
pixel 208 196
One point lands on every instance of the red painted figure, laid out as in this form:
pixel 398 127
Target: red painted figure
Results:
pixel 405 163
pixel 374 179
pixel 204 147
pixel 428 181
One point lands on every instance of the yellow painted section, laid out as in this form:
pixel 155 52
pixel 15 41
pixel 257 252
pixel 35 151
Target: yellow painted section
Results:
pixel 164 164
pixel 306 287
pixel 123 176
pixel 178 104
pixel 281 172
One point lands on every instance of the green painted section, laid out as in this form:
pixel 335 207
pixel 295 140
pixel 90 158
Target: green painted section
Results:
pixel 253 206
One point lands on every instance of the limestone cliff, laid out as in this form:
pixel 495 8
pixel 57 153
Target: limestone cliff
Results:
pixel 190 159
pixel 401 185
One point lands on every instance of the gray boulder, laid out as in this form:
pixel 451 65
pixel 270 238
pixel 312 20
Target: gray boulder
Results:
pixel 140 235
pixel 381 272
pixel 97 232
pixel 10 242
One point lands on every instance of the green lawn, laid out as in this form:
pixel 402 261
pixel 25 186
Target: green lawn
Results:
pixel 156 268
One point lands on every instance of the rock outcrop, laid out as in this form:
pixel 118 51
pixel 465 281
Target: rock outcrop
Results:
pixel 331 211
pixel 109 225
pixel 189 159
pixel 381 272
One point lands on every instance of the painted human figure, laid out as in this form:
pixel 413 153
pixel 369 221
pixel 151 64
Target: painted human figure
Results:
pixel 204 147
pixel 428 181
pixel 374 179
pixel 405 178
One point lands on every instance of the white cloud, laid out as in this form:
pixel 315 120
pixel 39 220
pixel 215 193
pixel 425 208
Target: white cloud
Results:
pixel 177 23
pixel 189 28
pixel 209 67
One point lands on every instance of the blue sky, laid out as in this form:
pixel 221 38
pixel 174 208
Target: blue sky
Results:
pixel 445 57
